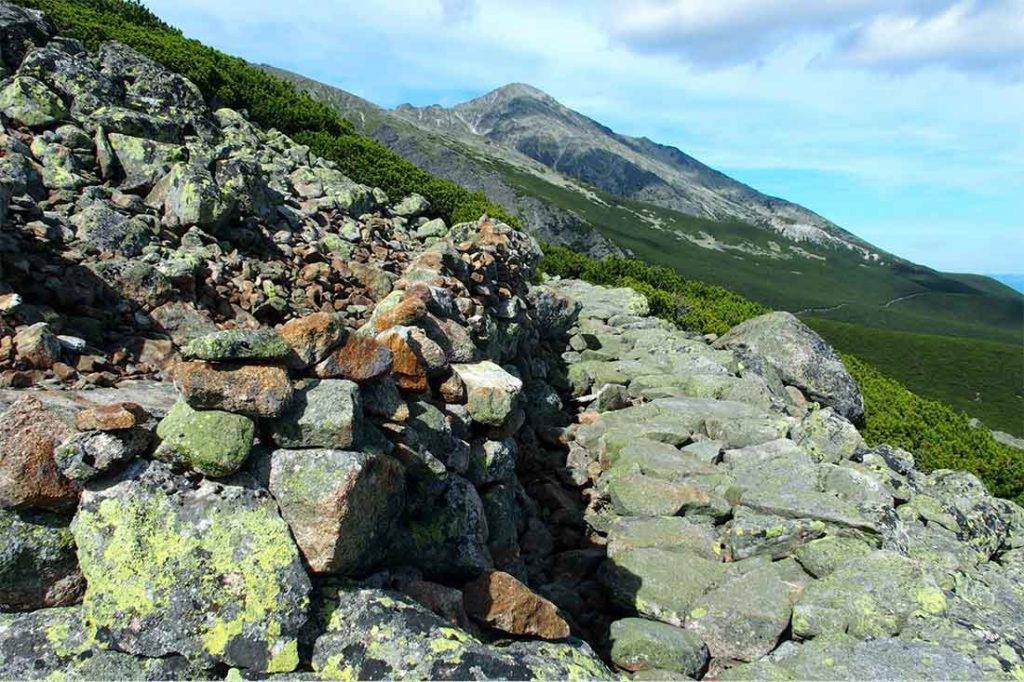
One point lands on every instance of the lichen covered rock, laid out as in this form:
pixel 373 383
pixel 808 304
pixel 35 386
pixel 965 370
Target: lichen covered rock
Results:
pixel 238 344
pixel 870 596
pixel 31 103
pixel 380 634
pixel 200 569
pixel 845 658
pixel 211 442
pixel 801 358
pixel 57 643
pixel 743 618
pixel 324 413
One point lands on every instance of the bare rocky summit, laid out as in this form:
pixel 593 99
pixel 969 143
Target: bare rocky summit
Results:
pixel 262 421
pixel 522 119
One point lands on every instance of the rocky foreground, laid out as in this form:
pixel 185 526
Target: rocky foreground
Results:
pixel 261 421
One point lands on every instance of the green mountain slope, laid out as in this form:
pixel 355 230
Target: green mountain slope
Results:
pixel 976 377
pixel 838 277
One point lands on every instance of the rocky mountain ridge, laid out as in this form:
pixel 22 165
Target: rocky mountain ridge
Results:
pixel 856 283
pixel 261 420
pixel 448 158
pixel 527 120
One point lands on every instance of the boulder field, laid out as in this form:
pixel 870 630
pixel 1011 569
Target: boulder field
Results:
pixel 262 422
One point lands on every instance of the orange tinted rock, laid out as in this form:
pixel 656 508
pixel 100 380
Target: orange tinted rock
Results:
pixel 408 310
pixel 409 372
pixel 311 338
pixel 29 478
pixel 361 358
pixel 502 602
pixel 252 390
pixel 112 417
pixel 157 353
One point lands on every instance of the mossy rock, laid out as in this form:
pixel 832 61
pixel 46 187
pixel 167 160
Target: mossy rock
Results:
pixel 211 442
pixel 640 644
pixel 238 344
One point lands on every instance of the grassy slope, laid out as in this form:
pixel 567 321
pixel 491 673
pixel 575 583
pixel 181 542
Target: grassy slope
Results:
pixel 981 378
pixel 841 287
pixel 958 337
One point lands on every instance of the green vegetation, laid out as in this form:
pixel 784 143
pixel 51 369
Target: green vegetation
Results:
pixel 691 304
pixel 956 337
pixel 939 436
pixel 827 282
pixel 269 101
pixel 981 378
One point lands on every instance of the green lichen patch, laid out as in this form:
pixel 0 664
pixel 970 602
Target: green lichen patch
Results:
pixel 238 344
pixel 211 442
pixel 209 571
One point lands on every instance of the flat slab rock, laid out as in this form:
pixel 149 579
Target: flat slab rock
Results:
pixel 156 397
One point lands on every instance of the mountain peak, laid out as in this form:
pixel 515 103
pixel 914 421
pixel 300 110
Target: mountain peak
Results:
pixel 513 91
pixel 520 90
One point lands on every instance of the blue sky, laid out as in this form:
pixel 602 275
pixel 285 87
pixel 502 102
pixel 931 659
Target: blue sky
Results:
pixel 900 120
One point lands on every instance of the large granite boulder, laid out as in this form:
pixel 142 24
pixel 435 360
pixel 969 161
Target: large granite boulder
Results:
pixel 57 643
pixel 341 506
pixel 176 565
pixel 801 358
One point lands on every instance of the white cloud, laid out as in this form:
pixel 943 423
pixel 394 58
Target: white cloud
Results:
pixel 967 35
pixel 890 34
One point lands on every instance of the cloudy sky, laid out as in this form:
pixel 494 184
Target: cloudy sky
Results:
pixel 900 120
